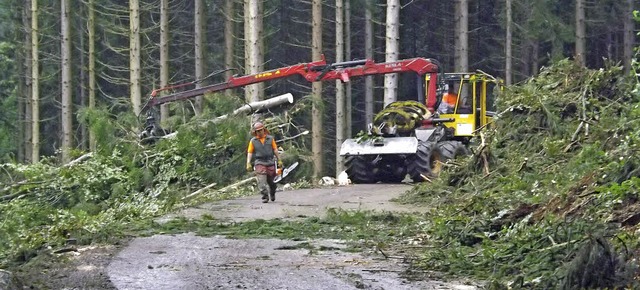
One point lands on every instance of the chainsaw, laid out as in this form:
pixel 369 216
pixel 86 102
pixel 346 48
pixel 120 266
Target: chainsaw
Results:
pixel 285 172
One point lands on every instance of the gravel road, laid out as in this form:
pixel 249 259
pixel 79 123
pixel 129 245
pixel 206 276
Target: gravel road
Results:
pixel 187 261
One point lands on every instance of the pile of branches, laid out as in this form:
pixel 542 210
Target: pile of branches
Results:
pixel 552 194
pixel 47 206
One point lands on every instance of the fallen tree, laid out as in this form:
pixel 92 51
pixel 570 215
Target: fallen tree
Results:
pixel 250 108
pixel 551 194
pixel 99 194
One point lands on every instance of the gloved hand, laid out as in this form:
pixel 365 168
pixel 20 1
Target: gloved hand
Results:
pixel 280 166
pixel 249 167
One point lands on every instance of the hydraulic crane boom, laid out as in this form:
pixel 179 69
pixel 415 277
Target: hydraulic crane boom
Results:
pixel 313 72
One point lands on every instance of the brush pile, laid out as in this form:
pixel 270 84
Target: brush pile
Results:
pixel 552 196
pixel 96 198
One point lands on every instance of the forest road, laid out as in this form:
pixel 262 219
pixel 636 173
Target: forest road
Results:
pixel 187 261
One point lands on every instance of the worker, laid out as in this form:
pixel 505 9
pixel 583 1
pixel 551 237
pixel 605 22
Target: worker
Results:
pixel 264 147
pixel 449 100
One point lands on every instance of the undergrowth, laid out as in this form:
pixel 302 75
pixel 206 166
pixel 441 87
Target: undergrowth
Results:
pixel 46 206
pixel 363 230
pixel 558 205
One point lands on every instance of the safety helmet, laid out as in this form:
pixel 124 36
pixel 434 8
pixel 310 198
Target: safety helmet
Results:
pixel 257 126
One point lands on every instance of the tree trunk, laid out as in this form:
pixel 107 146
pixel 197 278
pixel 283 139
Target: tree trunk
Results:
pixel 392 49
pixel 229 40
pixel 535 57
pixel 316 90
pixel 21 88
pixel 164 56
pixel 629 38
pixel 35 85
pixel 347 56
pixel 580 33
pixel 28 84
pixel 508 53
pixel 368 52
pixel 260 53
pixel 81 101
pixel 252 47
pixel 200 37
pixel 24 87
pixel 92 68
pixel 134 56
pixel 258 106
pixel 340 101
pixel 462 38
pixel 67 104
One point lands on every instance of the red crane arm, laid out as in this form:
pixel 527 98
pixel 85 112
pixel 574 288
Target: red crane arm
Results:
pixel 233 82
pixel 312 72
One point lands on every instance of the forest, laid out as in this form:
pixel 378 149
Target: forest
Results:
pixel 75 76
pixel 85 61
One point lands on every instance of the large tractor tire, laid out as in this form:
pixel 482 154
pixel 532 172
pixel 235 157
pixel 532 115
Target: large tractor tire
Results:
pixel 393 170
pixel 452 150
pixel 425 162
pixel 447 150
pixel 360 169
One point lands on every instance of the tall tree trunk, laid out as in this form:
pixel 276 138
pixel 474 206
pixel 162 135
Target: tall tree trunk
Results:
pixel 81 101
pixel 134 56
pixel 629 38
pixel 252 48
pixel 35 85
pixel 92 67
pixel 340 101
pixel 200 37
pixel 28 81
pixel 67 100
pixel 535 57
pixel 316 90
pixel 164 55
pixel 508 40
pixel 392 49
pixel 462 36
pixel 260 53
pixel 368 53
pixel 21 87
pixel 229 40
pixel 581 28
pixel 347 56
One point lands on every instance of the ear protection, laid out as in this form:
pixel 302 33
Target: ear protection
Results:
pixel 258 126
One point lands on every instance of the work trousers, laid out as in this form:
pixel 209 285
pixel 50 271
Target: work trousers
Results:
pixel 266 186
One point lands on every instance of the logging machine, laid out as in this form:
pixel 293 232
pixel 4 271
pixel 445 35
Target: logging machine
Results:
pixel 406 137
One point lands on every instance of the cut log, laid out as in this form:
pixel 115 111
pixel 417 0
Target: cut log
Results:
pixel 199 191
pixel 252 107
pixel 239 183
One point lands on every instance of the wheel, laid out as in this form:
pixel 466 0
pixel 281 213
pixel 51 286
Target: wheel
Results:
pixel 447 150
pixel 392 170
pixel 360 169
pixel 424 162
pixel 452 150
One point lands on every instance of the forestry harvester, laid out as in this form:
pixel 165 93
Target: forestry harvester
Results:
pixel 407 137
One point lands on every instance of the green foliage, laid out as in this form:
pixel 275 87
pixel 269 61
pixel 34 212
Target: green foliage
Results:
pixel 363 229
pixel 8 102
pixel 123 183
pixel 564 166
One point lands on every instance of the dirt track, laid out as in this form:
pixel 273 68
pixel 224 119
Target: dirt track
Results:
pixel 305 203
pixel 186 261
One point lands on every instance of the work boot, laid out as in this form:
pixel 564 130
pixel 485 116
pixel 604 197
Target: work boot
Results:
pixel 265 198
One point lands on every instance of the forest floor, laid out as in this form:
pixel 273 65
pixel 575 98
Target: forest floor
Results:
pixel 188 261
